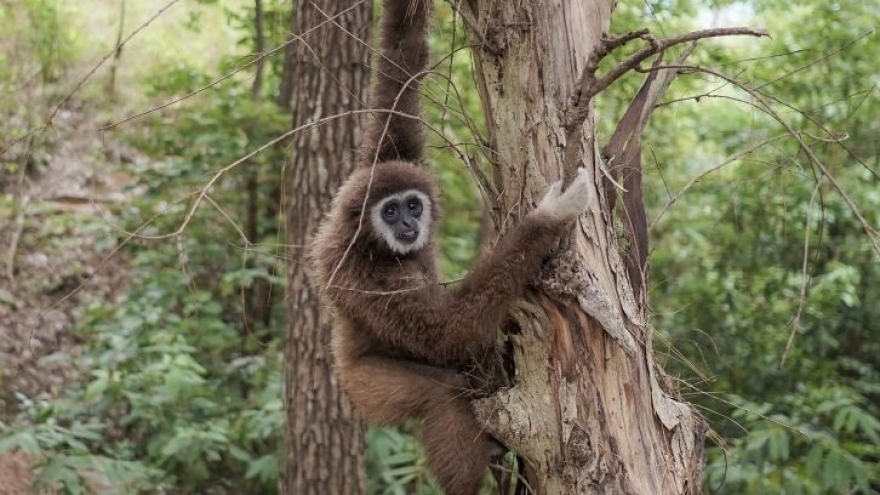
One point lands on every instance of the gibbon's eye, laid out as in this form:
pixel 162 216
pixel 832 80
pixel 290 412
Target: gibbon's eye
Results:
pixel 415 206
pixel 390 211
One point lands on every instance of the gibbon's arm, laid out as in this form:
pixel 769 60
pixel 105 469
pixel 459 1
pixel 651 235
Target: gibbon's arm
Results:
pixel 481 303
pixel 439 326
pixel 403 55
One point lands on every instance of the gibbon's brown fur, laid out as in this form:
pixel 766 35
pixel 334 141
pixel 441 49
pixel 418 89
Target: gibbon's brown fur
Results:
pixel 400 339
pixel 403 57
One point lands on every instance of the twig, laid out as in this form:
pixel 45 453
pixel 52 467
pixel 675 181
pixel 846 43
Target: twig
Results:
pixel 805 283
pixel 660 45
pixel 703 174
pixel 117 49
pixel 765 107
pixel 16 237
pixel 825 56
pixel 589 86
pixel 41 130
pixel 257 60
pixel 613 42
pixel 117 55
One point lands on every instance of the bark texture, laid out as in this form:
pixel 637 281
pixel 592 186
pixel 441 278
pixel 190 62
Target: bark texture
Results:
pixel 324 438
pixel 588 411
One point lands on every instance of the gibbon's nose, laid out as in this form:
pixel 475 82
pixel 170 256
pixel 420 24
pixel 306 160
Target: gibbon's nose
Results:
pixel 408 223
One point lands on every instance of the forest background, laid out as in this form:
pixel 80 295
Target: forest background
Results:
pixel 141 347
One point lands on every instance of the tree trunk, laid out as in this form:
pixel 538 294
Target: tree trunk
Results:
pixel 324 438
pixel 260 48
pixel 587 412
pixel 288 70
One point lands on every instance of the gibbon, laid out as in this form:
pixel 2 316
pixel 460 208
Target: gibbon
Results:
pixel 400 339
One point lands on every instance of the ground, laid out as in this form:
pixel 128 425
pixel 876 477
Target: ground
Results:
pixel 51 266
pixel 15 473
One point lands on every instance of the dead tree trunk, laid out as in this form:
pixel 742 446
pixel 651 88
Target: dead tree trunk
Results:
pixel 588 411
pixel 324 439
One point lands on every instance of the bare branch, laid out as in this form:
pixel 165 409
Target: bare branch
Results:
pixel 16 236
pixel 661 45
pixel 256 60
pixel 697 178
pixel 589 86
pixel 764 105
pixel 816 61
pixel 613 42
pixel 805 280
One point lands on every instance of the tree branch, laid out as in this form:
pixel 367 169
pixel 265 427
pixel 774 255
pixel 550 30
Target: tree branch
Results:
pixel 661 45
pixel 610 43
pixel 624 156
pixel 764 105
pixel 589 86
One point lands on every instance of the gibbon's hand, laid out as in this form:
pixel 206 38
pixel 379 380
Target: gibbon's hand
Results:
pixel 569 204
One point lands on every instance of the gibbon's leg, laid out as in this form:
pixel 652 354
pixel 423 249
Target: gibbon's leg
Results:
pixel 391 391
pixel 458 450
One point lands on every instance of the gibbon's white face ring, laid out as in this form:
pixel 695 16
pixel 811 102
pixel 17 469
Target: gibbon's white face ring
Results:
pixel 424 222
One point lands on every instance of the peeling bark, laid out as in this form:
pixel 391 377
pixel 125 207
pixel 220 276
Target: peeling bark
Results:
pixel 588 410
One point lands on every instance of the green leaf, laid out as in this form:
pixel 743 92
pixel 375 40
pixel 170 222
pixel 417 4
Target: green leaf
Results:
pixel 778 443
pixel 264 468
pixel 25 441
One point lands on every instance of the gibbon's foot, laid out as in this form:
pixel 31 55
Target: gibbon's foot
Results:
pixel 570 203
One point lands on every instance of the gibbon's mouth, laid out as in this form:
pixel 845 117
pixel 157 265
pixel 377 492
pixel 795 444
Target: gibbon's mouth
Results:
pixel 408 236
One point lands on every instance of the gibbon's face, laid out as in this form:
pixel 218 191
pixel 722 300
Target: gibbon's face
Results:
pixel 403 220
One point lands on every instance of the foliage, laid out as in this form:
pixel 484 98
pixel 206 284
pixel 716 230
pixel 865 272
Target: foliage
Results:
pixel 454 112
pixel 396 464
pixel 38 46
pixel 181 394
pixel 183 390
pixel 764 258
pixel 276 27
pixel 52 41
